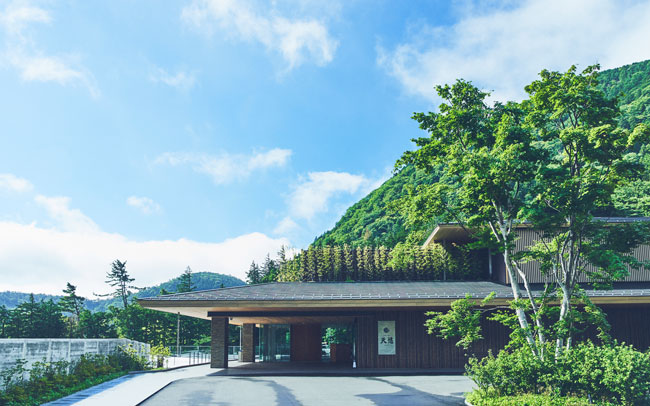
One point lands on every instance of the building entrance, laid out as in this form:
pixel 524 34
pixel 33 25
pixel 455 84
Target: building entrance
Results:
pixel 275 342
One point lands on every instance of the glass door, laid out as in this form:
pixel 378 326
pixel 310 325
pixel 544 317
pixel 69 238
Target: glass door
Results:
pixel 275 342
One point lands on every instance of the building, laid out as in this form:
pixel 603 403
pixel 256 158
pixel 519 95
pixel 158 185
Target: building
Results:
pixel 287 320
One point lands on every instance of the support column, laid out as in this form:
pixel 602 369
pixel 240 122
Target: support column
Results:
pixel 248 343
pixel 219 343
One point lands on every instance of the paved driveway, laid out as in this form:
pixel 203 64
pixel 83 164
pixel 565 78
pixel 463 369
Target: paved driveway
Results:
pixel 320 391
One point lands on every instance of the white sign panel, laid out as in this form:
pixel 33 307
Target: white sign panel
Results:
pixel 386 337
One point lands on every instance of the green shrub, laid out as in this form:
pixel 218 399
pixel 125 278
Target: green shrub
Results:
pixel 478 398
pixel 52 380
pixel 605 373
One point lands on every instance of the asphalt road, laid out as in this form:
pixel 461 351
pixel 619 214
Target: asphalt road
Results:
pixel 320 391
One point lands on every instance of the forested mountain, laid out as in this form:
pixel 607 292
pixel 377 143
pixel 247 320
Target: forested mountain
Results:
pixel 369 222
pixel 201 281
pixel 631 83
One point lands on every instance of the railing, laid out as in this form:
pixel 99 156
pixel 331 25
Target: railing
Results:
pixel 233 352
pixel 188 355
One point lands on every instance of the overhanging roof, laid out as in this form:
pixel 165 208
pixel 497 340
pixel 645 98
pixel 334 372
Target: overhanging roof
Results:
pixel 332 298
pixel 457 233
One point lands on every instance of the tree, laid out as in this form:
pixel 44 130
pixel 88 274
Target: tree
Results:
pixel 551 161
pixel 185 281
pixel 487 159
pixel 71 302
pixel 253 275
pixel 97 324
pixel 590 159
pixel 119 278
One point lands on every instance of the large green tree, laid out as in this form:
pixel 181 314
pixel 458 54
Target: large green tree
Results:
pixel 488 159
pixel 551 160
pixel 588 161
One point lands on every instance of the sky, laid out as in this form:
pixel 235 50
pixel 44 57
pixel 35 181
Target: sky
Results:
pixel 208 133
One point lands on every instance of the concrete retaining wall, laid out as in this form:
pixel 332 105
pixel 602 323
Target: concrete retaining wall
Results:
pixel 60 349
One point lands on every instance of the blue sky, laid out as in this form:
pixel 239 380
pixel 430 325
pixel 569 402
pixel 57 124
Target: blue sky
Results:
pixel 208 133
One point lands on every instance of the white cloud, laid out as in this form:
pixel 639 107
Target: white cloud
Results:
pixel 286 226
pixel 35 259
pixel 14 184
pixel 181 80
pixel 18 14
pixel 66 218
pixel 226 168
pixel 22 54
pixel 313 193
pixel 504 49
pixel 74 249
pixel 144 204
pixel 297 40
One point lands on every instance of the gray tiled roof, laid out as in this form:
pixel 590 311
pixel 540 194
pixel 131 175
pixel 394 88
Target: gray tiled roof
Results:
pixel 366 290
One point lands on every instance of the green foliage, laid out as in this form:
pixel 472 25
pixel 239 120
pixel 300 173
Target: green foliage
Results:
pixel 159 353
pixel 462 321
pixel 339 335
pixel 185 281
pixel 631 85
pixel 120 280
pixel 633 199
pixel 157 328
pixel 325 263
pixel 52 380
pixel 371 222
pixel 71 302
pixel 605 373
pixel 478 398
pixel 32 319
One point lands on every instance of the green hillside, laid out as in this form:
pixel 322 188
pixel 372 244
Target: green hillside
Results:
pixel 201 280
pixel 631 84
pixel 368 222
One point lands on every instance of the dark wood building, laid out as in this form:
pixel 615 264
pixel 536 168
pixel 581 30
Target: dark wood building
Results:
pixel 290 317
pixel 287 320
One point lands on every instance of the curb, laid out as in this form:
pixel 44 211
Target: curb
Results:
pixel 166 369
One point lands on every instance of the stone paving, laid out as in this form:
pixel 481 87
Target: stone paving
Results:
pixel 312 390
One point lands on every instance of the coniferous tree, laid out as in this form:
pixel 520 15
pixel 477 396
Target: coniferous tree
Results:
pixel 269 270
pixel 337 263
pixel 349 262
pixel 5 321
pixel 185 281
pixel 253 275
pixel 119 279
pixel 71 302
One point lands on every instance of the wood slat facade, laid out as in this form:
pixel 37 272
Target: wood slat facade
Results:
pixel 415 348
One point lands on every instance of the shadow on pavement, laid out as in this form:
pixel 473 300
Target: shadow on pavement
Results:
pixel 284 396
pixel 411 397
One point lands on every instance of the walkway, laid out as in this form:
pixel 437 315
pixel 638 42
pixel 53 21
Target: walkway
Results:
pixel 130 389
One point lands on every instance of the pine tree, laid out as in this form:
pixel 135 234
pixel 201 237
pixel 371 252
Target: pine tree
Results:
pixel 119 278
pixel 185 281
pixel 71 302
pixel 361 266
pixel 253 275
pixel 349 262
pixel 269 270
pixel 337 263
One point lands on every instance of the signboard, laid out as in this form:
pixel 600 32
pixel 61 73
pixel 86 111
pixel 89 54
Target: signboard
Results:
pixel 386 337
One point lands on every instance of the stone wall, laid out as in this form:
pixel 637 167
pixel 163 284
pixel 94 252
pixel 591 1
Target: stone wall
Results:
pixel 60 349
